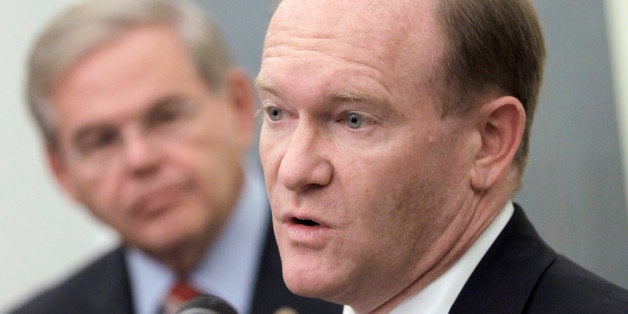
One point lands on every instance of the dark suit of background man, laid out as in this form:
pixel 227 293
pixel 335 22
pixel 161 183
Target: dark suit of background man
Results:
pixel 146 123
pixel 395 136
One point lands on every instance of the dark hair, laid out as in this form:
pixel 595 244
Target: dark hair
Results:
pixel 492 47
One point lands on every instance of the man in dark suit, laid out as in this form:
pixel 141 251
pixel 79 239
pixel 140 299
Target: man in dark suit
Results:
pixel 394 138
pixel 147 123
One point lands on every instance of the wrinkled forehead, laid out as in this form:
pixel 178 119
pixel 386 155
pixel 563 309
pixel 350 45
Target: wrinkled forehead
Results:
pixel 394 32
pixel 363 14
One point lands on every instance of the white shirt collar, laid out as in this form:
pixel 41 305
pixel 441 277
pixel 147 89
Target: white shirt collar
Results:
pixel 440 295
pixel 229 268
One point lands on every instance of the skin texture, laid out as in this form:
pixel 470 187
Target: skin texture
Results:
pixel 373 193
pixel 170 182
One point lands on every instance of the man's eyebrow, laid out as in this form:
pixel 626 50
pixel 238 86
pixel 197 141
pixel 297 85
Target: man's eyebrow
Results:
pixel 360 96
pixel 98 126
pixel 354 95
pixel 263 84
pixel 341 96
pixel 164 102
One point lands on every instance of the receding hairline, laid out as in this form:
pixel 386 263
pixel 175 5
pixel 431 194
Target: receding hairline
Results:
pixel 407 30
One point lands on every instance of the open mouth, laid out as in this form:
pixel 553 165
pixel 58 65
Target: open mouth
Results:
pixel 305 222
pixel 306 232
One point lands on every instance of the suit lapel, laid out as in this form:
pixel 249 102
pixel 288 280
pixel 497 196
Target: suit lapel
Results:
pixel 507 274
pixel 111 293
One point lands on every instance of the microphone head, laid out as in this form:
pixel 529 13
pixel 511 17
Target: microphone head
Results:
pixel 207 304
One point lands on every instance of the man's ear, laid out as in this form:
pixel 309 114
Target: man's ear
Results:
pixel 242 98
pixel 501 123
pixel 58 167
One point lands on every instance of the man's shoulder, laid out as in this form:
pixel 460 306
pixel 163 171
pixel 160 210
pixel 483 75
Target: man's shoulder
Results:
pixel 74 292
pixel 566 287
pixel 521 274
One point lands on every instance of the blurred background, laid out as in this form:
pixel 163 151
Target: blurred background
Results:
pixel 574 187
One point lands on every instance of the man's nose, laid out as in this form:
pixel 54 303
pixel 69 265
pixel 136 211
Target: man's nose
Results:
pixel 304 165
pixel 140 156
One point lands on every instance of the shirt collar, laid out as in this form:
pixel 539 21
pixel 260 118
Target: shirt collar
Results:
pixel 228 269
pixel 440 295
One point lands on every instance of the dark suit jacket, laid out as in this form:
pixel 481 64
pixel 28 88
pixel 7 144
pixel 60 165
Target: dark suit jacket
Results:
pixel 521 274
pixel 103 287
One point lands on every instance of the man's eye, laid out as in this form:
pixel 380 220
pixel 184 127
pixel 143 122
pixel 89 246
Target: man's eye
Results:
pixel 354 120
pixel 274 113
pixel 97 142
pixel 169 113
pixel 165 116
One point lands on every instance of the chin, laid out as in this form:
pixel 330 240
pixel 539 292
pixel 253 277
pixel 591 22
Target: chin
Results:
pixel 161 244
pixel 303 287
pixel 164 238
pixel 309 281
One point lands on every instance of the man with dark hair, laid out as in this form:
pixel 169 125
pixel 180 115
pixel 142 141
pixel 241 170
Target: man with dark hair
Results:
pixel 395 135
pixel 146 123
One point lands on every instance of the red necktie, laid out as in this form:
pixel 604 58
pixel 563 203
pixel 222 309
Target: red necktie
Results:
pixel 180 293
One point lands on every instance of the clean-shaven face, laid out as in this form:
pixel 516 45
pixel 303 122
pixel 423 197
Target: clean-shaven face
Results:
pixel 365 178
pixel 146 145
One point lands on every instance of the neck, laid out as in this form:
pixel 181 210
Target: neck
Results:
pixel 183 261
pixel 183 257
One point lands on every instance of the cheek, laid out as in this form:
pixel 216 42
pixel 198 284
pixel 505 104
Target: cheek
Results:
pixel 371 196
pixel 103 196
pixel 215 159
pixel 270 156
pixel 212 146
pixel 390 190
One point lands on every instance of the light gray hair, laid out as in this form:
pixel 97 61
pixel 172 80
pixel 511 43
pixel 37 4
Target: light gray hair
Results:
pixel 85 26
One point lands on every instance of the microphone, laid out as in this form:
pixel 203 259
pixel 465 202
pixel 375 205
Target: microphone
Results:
pixel 207 304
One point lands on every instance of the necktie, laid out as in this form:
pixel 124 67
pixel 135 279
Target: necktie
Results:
pixel 180 293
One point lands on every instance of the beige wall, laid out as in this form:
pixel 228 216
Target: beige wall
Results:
pixel 42 235
pixel 617 11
